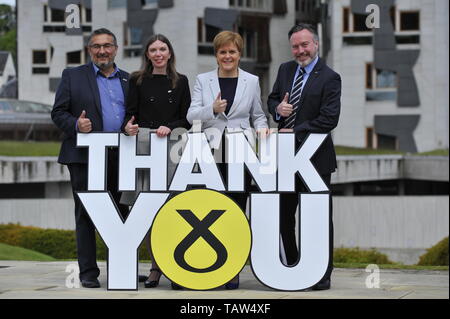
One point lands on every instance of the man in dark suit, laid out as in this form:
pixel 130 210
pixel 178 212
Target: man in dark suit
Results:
pixel 90 98
pixel 306 99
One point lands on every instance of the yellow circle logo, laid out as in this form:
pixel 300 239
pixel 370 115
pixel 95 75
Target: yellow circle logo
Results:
pixel 200 239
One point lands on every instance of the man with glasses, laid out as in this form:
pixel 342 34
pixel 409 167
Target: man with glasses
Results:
pixel 91 98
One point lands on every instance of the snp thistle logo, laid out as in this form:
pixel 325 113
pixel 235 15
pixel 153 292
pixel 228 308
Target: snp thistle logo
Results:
pixel 199 247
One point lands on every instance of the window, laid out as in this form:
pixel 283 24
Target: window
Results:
pixel 45 13
pixel 88 15
pixel 264 5
pixel 112 4
pixel 57 15
pixel 379 79
pixel 250 43
pixel 369 83
pixel 380 84
pixel 40 62
pixel 353 22
pixel 132 41
pixel 39 57
pixel 345 20
pixel 73 57
pixel 136 36
pixel 359 23
pixel 40 70
pixel 205 37
pixel 369 137
pixel 386 142
pixel 409 21
pixel 386 79
pixel 149 4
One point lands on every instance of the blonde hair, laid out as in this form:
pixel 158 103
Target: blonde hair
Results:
pixel 226 37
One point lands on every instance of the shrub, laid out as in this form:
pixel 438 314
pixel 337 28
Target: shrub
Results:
pixel 60 244
pixel 436 255
pixel 356 255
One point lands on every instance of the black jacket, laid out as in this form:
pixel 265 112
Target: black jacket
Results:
pixel 319 110
pixel 78 91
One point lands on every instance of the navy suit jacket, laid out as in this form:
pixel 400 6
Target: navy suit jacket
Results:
pixel 78 91
pixel 320 105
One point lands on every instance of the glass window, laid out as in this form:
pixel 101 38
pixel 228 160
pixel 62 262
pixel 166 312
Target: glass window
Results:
pixel 359 23
pixel 409 21
pixel 58 15
pixel 39 57
pixel 386 142
pixel 345 19
pixel 386 79
pixel 136 36
pixel 117 4
pixel 73 57
pixel 88 15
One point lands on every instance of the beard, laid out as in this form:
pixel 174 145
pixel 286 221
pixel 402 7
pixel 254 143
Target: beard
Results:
pixel 310 58
pixel 104 65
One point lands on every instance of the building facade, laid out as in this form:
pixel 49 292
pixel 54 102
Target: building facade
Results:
pixel 395 76
pixel 7 68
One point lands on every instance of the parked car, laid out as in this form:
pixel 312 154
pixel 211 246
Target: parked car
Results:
pixel 26 120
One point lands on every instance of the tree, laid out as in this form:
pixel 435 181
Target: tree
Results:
pixel 8 32
pixel 7 19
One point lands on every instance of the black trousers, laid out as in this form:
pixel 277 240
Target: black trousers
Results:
pixel 288 206
pixel 85 229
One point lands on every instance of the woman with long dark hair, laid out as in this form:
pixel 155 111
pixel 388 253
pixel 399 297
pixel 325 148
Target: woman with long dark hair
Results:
pixel 158 100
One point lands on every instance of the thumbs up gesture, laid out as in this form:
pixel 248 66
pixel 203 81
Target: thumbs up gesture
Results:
pixel 83 123
pixel 284 108
pixel 130 128
pixel 219 105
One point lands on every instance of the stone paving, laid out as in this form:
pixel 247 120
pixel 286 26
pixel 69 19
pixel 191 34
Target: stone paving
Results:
pixel 47 280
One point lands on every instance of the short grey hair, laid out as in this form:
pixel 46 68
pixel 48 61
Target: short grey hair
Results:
pixel 304 26
pixel 102 31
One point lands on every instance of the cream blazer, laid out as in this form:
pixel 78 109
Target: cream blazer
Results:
pixel 246 106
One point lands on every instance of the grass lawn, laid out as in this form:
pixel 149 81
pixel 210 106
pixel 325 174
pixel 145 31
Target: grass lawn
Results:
pixel 8 252
pixel 15 148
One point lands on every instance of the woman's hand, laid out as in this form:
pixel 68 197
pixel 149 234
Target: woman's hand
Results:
pixel 163 131
pixel 263 132
pixel 219 105
pixel 131 129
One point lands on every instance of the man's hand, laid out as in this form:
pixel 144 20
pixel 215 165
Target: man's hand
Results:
pixel 284 108
pixel 286 130
pixel 219 105
pixel 84 124
pixel 130 128
pixel 163 131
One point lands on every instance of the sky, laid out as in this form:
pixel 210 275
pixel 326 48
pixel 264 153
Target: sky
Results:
pixel 10 2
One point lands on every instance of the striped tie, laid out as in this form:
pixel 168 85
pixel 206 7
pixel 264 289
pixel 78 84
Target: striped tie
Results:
pixel 295 99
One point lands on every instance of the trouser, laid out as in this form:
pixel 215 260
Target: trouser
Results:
pixel 85 229
pixel 288 207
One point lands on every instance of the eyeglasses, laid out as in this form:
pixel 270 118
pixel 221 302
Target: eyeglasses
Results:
pixel 107 46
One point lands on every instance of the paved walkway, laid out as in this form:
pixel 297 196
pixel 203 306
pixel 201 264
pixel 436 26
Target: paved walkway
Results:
pixel 27 279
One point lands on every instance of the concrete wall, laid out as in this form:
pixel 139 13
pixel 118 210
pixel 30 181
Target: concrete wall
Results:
pixel 350 169
pixel 400 226
pixel 8 71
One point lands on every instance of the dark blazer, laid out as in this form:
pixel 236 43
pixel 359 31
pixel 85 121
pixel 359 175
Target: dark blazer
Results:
pixel 76 92
pixel 153 115
pixel 320 105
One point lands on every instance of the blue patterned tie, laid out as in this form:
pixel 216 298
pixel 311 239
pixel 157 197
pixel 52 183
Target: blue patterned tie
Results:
pixel 295 99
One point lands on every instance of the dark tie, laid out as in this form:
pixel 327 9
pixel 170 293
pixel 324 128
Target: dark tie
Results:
pixel 295 99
